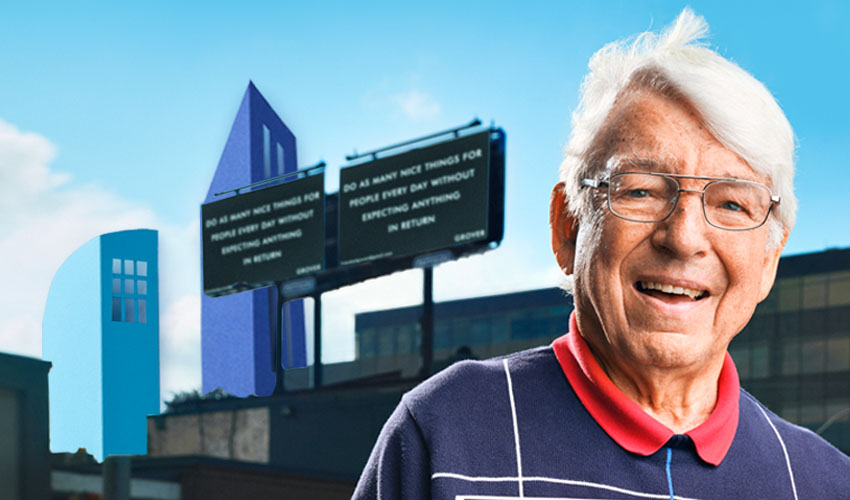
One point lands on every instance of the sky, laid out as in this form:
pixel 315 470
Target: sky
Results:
pixel 114 115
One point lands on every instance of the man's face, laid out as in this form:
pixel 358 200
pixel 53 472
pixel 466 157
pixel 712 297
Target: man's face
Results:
pixel 619 261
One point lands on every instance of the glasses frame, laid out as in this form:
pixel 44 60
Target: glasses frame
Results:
pixel 606 183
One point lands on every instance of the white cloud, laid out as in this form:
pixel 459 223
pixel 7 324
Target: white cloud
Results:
pixel 405 99
pixel 505 270
pixel 23 167
pixel 180 308
pixel 339 307
pixel 180 350
pixel 416 104
pixel 46 217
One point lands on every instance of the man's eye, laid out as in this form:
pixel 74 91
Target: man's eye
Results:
pixel 731 205
pixel 638 193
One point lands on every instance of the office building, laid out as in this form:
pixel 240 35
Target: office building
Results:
pixel 476 328
pixel 794 355
pixel 101 332
pixel 236 329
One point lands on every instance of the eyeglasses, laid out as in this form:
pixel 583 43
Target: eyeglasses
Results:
pixel 733 204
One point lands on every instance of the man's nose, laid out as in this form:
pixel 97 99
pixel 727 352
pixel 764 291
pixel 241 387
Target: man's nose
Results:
pixel 684 233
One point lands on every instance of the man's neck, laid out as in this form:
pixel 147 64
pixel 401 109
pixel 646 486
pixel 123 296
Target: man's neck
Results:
pixel 679 399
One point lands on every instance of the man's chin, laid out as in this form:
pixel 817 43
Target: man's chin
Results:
pixel 670 350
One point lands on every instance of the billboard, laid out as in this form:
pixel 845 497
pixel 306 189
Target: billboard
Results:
pixel 273 234
pixel 416 202
pixel 413 209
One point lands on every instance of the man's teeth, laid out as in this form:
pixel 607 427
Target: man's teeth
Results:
pixel 667 288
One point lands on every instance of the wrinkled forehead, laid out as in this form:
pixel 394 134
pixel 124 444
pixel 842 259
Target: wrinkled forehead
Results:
pixel 649 131
pixel 670 164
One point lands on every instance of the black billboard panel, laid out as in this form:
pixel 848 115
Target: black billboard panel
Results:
pixel 254 239
pixel 416 202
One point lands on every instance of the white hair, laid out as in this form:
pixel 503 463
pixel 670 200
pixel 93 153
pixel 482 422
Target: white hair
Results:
pixel 736 108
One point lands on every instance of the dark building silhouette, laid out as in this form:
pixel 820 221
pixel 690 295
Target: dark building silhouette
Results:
pixel 476 328
pixel 794 355
pixel 24 468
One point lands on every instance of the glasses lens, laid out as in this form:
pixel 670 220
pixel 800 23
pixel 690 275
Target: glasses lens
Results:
pixel 641 197
pixel 736 205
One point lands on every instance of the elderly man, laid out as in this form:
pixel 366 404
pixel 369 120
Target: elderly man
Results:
pixel 675 201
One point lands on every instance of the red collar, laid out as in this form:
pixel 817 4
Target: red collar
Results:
pixel 626 422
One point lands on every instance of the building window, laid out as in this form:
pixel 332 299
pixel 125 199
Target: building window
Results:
pixel 129 284
pixel 480 334
pixel 143 311
pixel 386 341
pixel 791 413
pixel 791 357
pixel 838 355
pixel 404 340
pixel 811 413
pixel 814 291
pixel 789 294
pixel 129 313
pixel 366 347
pixel 760 367
pixel 267 153
pixel 814 354
pixel 280 164
pixel 498 329
pixel 839 289
pixel 116 309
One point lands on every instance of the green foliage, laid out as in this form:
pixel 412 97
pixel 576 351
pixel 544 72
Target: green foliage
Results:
pixel 184 399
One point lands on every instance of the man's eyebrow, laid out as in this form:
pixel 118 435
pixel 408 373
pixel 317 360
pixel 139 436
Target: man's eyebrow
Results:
pixel 636 162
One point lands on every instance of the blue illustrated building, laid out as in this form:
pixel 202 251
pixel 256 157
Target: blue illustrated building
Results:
pixel 101 332
pixel 236 329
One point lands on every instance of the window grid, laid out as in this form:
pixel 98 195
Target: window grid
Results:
pixel 129 291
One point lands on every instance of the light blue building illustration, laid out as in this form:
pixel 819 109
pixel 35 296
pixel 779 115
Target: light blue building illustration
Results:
pixel 101 332
pixel 236 329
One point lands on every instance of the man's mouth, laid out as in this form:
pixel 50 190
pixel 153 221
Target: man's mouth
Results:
pixel 668 292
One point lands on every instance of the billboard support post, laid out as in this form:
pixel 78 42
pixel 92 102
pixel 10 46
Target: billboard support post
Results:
pixel 427 321
pixel 277 342
pixel 317 340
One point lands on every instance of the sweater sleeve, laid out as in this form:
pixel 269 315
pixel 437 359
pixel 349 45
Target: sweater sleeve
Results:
pixel 399 466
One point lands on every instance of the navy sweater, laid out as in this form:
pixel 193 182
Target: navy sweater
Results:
pixel 513 427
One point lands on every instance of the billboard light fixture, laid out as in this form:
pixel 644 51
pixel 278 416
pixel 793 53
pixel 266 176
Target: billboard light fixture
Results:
pixel 432 259
pixel 374 153
pixel 303 171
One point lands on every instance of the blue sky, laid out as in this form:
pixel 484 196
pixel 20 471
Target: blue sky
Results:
pixel 123 110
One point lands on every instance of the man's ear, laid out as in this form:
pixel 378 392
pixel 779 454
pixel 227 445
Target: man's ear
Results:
pixel 771 262
pixel 564 228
